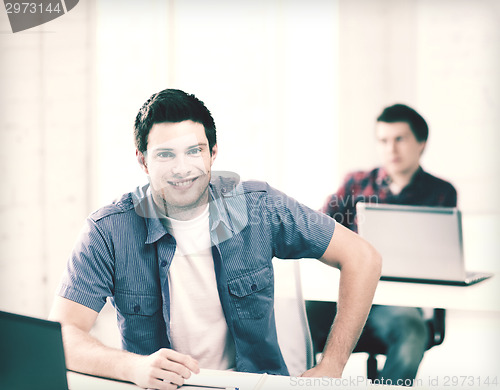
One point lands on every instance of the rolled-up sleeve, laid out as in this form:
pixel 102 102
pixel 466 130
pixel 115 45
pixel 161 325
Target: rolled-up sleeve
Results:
pixel 88 278
pixel 298 231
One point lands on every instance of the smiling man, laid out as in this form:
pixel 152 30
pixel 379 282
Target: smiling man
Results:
pixel 178 161
pixel 187 262
pixel 401 135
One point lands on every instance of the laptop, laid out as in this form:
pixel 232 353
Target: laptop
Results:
pixel 31 353
pixel 417 243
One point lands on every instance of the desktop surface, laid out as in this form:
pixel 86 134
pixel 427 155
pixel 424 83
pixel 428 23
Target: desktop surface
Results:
pixel 320 283
pixel 231 380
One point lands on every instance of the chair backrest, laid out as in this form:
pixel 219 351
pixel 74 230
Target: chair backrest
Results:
pixel 436 325
pixel 291 320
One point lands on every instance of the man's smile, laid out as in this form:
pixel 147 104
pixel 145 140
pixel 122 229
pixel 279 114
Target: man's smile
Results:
pixel 184 183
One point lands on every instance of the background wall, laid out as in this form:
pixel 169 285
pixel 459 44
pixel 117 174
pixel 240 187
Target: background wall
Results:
pixel 266 70
pixel 294 87
pixel 47 130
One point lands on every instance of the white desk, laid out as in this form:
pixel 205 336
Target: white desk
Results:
pixel 211 379
pixel 78 381
pixel 233 380
pixel 320 283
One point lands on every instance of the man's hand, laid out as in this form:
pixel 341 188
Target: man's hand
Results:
pixel 164 369
pixel 322 370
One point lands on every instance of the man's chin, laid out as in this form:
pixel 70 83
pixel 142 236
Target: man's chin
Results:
pixel 399 170
pixel 183 202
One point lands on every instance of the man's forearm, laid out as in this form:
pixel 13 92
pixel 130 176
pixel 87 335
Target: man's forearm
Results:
pixel 360 266
pixel 86 354
pixel 356 290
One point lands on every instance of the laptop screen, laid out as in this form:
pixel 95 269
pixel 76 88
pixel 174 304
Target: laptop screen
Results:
pixel 32 354
pixel 415 242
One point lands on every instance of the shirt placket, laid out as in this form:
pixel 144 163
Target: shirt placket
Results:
pixel 219 232
pixel 165 249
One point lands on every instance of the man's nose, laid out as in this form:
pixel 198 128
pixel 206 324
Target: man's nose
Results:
pixel 391 146
pixel 180 166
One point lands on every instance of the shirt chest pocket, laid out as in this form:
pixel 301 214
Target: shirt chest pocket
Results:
pixel 138 315
pixel 252 294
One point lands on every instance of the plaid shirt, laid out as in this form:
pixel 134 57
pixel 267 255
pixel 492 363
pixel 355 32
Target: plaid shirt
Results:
pixel 373 187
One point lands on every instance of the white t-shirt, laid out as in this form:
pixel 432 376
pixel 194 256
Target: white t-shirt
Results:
pixel 197 324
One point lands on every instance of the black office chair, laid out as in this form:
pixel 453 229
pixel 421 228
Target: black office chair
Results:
pixel 320 316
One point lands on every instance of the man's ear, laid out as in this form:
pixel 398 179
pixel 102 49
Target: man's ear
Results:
pixel 142 161
pixel 422 145
pixel 214 153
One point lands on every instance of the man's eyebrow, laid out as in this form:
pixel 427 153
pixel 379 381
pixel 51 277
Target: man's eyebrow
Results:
pixel 197 145
pixel 166 148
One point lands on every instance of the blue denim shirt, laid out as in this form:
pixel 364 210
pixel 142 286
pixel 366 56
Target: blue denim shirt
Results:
pixel 124 252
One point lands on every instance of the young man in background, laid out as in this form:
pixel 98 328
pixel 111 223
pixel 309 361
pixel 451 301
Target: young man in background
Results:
pixel 401 137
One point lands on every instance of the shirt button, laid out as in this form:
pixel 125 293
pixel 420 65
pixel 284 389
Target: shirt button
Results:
pixel 163 263
pixel 253 287
pixel 137 308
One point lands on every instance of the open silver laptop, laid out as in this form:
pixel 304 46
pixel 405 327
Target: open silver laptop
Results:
pixel 417 244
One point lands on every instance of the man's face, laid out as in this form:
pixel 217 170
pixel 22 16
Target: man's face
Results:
pixel 178 163
pixel 399 149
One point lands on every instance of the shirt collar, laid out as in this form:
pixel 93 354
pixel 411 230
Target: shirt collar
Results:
pixel 145 207
pixel 217 209
pixel 383 178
